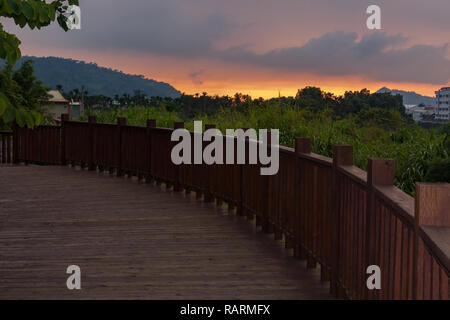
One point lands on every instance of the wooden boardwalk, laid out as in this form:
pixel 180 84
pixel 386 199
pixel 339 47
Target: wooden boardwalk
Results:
pixel 134 241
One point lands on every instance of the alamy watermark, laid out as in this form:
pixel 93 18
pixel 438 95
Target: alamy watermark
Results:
pixel 74 280
pixel 74 18
pixel 213 153
pixel 374 20
pixel 374 280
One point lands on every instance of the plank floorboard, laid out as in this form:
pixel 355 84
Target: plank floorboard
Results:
pixel 133 241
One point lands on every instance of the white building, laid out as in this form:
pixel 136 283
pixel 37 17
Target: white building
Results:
pixel 443 104
pixel 420 113
pixel 416 112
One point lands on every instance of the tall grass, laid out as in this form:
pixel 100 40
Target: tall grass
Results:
pixel 136 116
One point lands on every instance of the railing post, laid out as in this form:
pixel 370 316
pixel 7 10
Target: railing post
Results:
pixel 178 185
pixel 268 226
pixel 3 149
pixel 240 210
pixel 15 143
pixel 305 146
pixel 120 123
pixel 380 172
pixel 9 141
pixel 91 165
pixel 64 119
pixel 151 123
pixel 208 195
pixel 240 200
pixel 262 217
pixel 302 145
pixel 432 203
pixel 342 156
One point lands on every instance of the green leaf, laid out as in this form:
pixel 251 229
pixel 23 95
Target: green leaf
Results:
pixel 2 52
pixel 18 53
pixel 9 114
pixel 38 118
pixel 28 10
pixel 3 103
pixel 10 54
pixel 29 119
pixel 15 6
pixel 6 8
pixel 35 6
pixel 62 22
pixel 52 13
pixel 21 20
pixel 20 117
pixel 43 14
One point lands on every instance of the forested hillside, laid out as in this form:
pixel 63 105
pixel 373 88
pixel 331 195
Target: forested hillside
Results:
pixel 73 74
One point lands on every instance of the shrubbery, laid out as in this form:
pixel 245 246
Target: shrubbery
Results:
pixel 373 132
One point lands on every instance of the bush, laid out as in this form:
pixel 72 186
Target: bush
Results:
pixel 438 171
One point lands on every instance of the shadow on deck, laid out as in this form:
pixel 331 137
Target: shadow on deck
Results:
pixel 134 241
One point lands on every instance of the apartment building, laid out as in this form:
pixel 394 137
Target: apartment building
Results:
pixel 443 104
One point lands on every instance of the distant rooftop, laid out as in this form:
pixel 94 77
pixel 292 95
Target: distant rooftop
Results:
pixel 56 97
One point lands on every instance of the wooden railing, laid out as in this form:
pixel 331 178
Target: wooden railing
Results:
pixel 6 147
pixel 328 211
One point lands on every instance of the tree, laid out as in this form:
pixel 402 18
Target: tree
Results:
pixel 356 101
pixel 35 14
pixel 315 99
pixel 21 88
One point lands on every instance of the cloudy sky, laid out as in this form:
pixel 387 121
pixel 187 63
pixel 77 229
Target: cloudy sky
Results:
pixel 260 47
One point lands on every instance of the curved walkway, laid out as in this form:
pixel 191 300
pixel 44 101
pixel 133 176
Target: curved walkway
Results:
pixel 133 241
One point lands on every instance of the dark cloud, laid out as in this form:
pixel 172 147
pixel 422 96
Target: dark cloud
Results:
pixel 194 28
pixel 196 77
pixel 157 26
pixel 377 56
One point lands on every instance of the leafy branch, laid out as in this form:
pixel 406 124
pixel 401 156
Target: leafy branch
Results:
pixel 34 14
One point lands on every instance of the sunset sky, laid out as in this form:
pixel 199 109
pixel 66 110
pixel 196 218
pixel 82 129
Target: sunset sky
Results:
pixel 259 47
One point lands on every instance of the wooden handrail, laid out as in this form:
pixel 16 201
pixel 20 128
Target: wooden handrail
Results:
pixel 327 210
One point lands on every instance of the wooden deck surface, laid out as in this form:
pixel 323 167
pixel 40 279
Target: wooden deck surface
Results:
pixel 133 241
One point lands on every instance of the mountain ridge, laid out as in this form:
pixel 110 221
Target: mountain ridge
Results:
pixel 410 97
pixel 97 80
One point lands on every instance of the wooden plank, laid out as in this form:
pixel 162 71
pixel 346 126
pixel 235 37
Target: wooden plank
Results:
pixel 432 203
pixel 134 241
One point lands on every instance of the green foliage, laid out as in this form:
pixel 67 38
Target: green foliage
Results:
pixel 356 101
pixel 372 131
pixel 438 171
pixel 445 130
pixel 315 99
pixel 388 119
pixel 20 95
pixel 34 14
pixel 135 116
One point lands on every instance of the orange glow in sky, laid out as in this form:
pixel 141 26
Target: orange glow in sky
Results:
pixel 163 47
pixel 227 79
